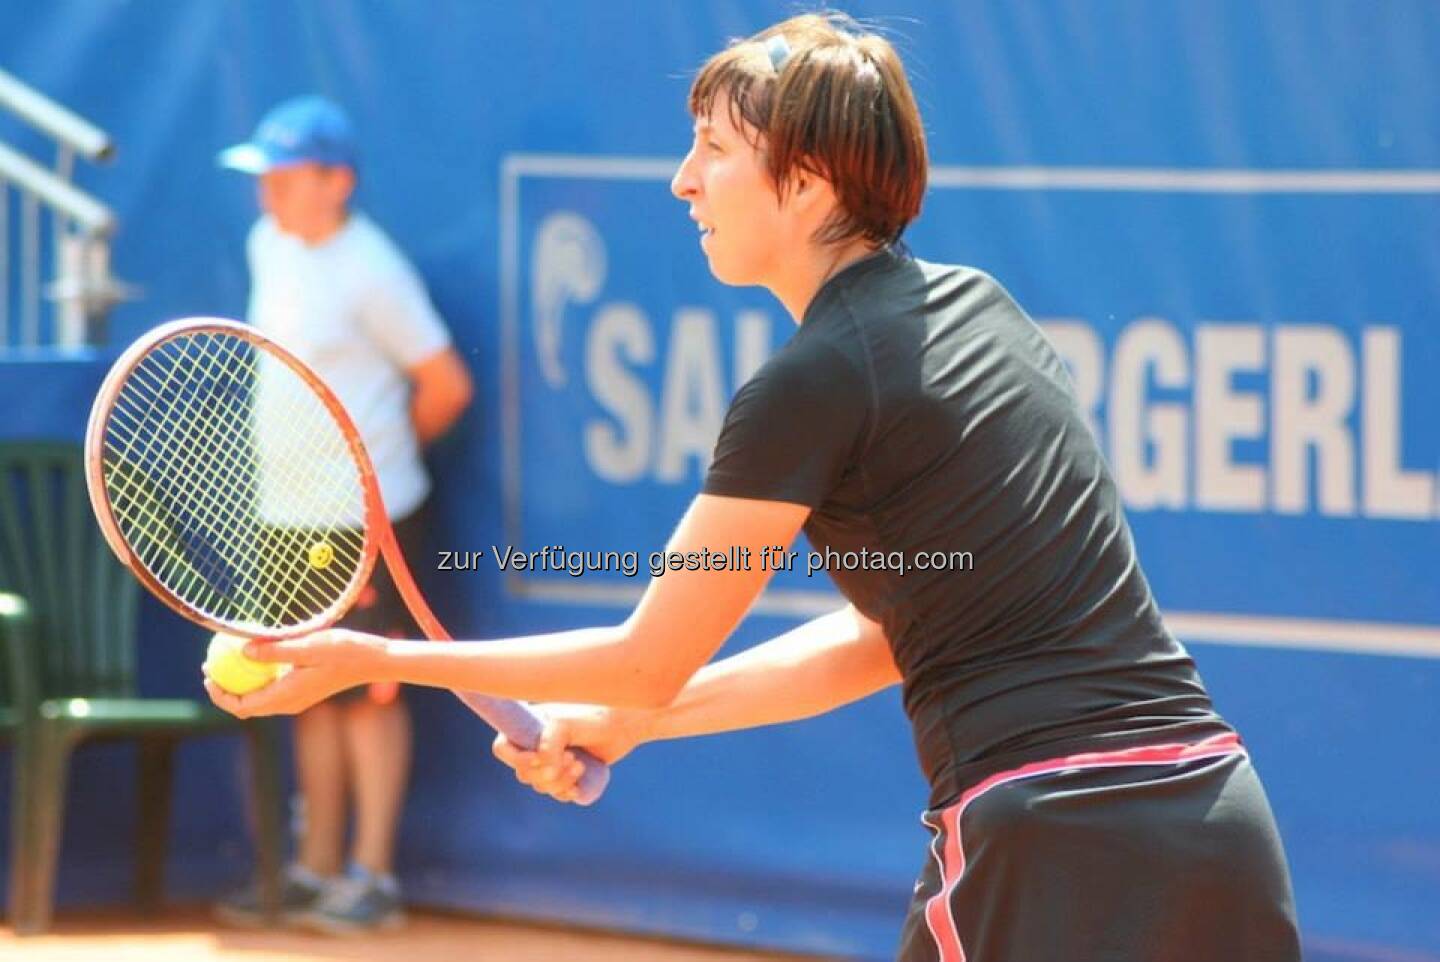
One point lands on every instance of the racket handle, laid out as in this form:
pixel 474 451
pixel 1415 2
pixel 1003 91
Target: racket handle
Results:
pixel 522 726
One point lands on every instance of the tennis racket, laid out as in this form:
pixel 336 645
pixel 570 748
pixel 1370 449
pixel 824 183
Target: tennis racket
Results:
pixel 229 479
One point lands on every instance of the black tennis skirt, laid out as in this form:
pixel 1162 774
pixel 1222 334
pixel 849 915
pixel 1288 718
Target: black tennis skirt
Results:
pixel 1166 853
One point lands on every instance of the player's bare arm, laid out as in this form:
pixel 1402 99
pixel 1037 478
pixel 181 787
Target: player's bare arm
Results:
pixel 681 621
pixel 816 667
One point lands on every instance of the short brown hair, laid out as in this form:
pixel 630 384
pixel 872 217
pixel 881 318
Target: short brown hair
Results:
pixel 838 106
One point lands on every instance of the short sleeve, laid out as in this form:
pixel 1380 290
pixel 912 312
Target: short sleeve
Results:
pixel 252 246
pixel 794 429
pixel 397 315
pixel 259 243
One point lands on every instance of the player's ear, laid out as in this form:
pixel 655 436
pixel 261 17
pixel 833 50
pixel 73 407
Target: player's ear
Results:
pixel 807 189
pixel 342 183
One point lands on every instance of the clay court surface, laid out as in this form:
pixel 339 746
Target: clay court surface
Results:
pixel 189 935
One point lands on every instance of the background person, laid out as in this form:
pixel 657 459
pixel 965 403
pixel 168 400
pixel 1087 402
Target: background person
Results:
pixel 327 283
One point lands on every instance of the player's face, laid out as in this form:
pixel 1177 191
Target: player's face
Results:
pixel 744 229
pixel 305 199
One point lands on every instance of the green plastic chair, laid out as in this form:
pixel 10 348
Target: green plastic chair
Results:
pixel 67 626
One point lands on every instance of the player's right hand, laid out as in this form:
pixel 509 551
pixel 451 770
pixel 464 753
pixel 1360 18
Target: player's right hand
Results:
pixel 552 768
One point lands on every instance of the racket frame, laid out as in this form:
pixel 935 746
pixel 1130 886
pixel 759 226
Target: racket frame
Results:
pixel 376 523
pixel 517 720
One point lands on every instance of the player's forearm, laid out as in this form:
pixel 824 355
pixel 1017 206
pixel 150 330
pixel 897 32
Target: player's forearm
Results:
pixel 591 665
pixel 819 666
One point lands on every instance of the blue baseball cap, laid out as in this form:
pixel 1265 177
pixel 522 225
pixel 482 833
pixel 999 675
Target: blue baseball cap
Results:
pixel 299 131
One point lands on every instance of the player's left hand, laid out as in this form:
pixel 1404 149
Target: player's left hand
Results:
pixel 324 663
pixel 551 767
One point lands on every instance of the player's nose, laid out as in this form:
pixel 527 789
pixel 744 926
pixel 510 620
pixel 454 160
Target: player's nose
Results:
pixel 685 184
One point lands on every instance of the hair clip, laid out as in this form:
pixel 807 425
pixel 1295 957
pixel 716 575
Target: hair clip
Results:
pixel 779 50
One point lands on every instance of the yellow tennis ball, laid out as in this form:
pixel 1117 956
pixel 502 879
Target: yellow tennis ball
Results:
pixel 321 554
pixel 227 666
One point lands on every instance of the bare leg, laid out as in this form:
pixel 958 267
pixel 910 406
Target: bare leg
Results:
pixel 378 744
pixel 320 770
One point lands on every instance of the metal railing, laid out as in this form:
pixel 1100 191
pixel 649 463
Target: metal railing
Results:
pixel 54 217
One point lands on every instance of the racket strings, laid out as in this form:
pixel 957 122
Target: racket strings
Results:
pixel 154 438
pixel 227 494
pixel 307 582
pixel 163 444
pixel 222 507
pixel 292 574
pixel 233 483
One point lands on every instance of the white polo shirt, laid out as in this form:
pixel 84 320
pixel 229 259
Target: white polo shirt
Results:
pixel 356 311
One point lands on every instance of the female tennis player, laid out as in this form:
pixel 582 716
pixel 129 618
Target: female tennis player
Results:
pixel 1087 802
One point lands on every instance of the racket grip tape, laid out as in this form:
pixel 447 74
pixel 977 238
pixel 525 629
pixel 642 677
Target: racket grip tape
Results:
pixel 522 726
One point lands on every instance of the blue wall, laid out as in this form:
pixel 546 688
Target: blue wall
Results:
pixel 1255 348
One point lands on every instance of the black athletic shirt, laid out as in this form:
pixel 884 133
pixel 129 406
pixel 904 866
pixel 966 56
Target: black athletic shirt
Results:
pixel 917 409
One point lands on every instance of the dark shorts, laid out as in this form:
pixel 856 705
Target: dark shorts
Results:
pixel 381 611
pixel 1161 854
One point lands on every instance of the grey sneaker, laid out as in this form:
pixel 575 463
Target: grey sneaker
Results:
pixel 359 903
pixel 300 889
